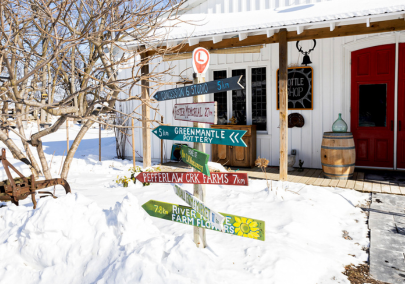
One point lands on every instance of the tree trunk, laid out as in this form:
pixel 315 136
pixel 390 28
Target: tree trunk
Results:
pixel 66 166
pixel 14 149
pixel 35 167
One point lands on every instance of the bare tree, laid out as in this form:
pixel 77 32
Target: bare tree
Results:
pixel 60 61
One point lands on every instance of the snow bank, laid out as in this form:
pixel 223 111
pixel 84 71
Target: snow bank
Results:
pixel 100 233
pixel 72 240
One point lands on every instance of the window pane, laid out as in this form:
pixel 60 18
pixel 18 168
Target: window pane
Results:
pixel 221 99
pixel 239 99
pixel 259 111
pixel 373 105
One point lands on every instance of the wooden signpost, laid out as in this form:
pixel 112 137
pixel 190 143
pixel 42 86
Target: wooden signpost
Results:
pixel 240 179
pixel 216 86
pixel 197 159
pixel 201 135
pixel 215 219
pixel 233 225
pixel 196 112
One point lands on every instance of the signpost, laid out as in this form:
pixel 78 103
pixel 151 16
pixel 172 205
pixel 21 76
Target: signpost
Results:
pixel 240 179
pixel 233 225
pixel 197 159
pixel 196 112
pixel 201 135
pixel 222 85
pixel 215 219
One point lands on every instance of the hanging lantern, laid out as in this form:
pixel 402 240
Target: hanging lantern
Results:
pixel 306 60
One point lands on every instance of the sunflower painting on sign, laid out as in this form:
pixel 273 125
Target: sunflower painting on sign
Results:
pixel 233 225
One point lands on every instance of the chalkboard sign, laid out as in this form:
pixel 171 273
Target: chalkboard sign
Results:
pixel 300 90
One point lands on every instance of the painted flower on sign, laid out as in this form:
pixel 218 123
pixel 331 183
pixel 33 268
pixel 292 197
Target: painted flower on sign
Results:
pixel 246 228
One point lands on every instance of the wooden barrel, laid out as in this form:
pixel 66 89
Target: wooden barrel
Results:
pixel 338 155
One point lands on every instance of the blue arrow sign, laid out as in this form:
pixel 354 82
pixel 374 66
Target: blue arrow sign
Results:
pixel 201 135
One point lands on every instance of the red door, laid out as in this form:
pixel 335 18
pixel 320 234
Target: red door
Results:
pixel 372 105
pixel 401 108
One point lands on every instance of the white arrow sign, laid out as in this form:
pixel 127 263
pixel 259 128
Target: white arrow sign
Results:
pixel 216 220
pixel 196 112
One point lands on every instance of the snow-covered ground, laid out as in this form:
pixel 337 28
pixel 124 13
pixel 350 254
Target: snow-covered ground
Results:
pixel 101 234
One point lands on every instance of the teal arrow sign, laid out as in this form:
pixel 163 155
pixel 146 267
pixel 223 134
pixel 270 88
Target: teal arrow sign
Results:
pixel 197 159
pixel 233 224
pixel 201 135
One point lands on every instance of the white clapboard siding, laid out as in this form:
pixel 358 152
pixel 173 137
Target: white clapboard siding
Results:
pixel 331 94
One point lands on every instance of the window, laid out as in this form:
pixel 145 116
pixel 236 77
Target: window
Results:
pixel 221 99
pixel 259 105
pixel 373 105
pixel 247 106
pixel 239 99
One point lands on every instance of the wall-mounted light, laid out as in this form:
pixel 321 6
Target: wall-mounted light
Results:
pixel 306 60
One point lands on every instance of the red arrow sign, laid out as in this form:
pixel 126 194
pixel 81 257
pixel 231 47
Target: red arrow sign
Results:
pixel 194 178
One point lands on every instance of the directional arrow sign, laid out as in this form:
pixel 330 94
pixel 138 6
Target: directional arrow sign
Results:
pixel 216 220
pixel 196 112
pixel 216 86
pixel 201 135
pixel 194 178
pixel 197 159
pixel 233 225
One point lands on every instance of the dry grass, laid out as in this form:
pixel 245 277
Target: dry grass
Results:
pixel 360 274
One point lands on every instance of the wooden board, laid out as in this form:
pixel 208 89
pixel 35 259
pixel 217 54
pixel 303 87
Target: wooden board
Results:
pixel 205 112
pixel 197 159
pixel 233 224
pixel 194 178
pixel 201 135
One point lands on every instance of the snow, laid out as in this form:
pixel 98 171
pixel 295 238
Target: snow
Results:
pixel 100 233
pixel 200 25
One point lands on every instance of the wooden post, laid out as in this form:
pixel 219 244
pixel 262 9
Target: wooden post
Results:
pixel 133 144
pixel 283 78
pixel 161 144
pixel 67 136
pixel 99 141
pixel 146 133
pixel 199 189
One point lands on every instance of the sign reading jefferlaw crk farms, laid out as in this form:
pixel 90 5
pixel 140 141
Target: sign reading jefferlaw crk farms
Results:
pixel 300 91
pixel 216 220
pixel 196 112
pixel 197 159
pixel 222 85
pixel 194 178
pixel 233 225
pixel 201 135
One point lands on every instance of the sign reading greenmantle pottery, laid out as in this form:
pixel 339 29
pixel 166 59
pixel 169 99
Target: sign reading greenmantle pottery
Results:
pixel 197 159
pixel 216 220
pixel 230 137
pixel 233 225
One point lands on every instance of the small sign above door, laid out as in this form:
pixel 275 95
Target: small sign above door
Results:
pixel 300 88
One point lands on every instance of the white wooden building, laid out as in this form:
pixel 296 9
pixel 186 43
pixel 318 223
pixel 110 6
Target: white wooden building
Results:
pixel 379 59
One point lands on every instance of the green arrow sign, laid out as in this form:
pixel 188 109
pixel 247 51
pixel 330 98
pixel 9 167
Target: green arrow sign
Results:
pixel 201 135
pixel 233 225
pixel 197 159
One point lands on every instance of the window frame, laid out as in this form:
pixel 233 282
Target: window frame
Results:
pixel 228 68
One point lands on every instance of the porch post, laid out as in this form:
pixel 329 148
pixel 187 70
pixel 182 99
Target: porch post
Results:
pixel 146 133
pixel 283 76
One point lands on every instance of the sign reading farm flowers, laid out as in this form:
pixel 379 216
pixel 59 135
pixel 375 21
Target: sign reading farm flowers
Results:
pixel 233 225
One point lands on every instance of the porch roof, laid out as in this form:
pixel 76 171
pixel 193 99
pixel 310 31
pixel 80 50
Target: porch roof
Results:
pixel 218 26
